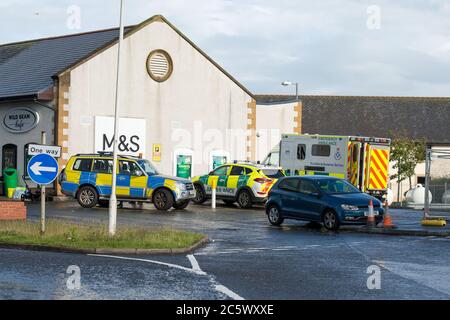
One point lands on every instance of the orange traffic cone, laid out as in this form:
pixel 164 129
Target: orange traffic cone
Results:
pixel 387 219
pixel 371 216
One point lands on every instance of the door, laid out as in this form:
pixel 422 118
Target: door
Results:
pixel 233 179
pixel 354 160
pixel 102 173
pixel 131 181
pixel 221 175
pixel 378 168
pixel 289 196
pixel 308 202
pixel 9 156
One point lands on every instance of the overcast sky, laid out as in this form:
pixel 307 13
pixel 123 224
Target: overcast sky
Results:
pixel 344 47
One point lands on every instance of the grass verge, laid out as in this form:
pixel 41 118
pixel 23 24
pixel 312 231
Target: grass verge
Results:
pixel 69 235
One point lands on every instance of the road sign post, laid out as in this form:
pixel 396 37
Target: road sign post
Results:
pixel 43 170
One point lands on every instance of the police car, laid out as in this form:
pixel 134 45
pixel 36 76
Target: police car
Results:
pixel 88 178
pixel 242 182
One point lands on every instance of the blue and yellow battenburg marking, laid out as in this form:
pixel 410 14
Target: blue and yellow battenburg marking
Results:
pixel 127 186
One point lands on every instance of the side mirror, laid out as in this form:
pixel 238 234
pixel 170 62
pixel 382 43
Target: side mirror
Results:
pixel 316 194
pixel 139 173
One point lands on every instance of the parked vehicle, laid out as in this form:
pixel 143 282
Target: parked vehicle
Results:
pixel 363 161
pixel 88 178
pixel 246 183
pixel 329 200
pixel 29 194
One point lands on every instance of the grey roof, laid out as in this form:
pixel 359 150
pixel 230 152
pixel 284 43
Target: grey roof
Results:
pixel 27 68
pixel 417 117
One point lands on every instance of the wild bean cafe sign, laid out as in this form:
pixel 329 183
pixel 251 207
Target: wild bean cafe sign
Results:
pixel 20 120
pixel 131 140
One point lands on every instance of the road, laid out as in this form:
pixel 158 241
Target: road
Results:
pixel 246 259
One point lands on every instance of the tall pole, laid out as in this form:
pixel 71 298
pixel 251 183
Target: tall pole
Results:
pixel 296 91
pixel 427 184
pixel 43 191
pixel 113 200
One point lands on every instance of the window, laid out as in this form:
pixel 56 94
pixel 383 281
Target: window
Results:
pixel 129 168
pixel 273 173
pixel 289 185
pixel 9 156
pixel 321 150
pixel 83 165
pixel 355 152
pixel 148 167
pixel 103 166
pixel 337 187
pixel 221 171
pixel 421 180
pixel 237 171
pixel 307 187
pixel 301 152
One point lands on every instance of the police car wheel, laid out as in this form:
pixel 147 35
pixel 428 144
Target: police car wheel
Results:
pixel 331 220
pixel 274 215
pixel 87 197
pixel 200 196
pixel 163 199
pixel 181 205
pixel 244 199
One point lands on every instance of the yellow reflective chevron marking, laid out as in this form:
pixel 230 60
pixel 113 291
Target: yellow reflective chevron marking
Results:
pixel 379 166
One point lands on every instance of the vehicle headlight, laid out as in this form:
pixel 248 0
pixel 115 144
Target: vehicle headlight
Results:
pixel 348 207
pixel 181 186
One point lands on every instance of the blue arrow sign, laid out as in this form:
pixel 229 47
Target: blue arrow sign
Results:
pixel 43 169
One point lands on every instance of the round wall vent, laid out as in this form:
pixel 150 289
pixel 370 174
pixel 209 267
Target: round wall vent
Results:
pixel 159 65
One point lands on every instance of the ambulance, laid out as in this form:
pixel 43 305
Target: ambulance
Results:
pixel 363 161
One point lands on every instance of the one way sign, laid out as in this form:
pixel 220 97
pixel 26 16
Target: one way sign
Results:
pixel 43 169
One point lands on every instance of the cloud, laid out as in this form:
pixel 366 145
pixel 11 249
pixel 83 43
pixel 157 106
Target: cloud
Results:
pixel 325 45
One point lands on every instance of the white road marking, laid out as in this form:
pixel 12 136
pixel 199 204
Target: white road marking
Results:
pixel 195 265
pixel 228 292
pixel 195 269
pixel 150 261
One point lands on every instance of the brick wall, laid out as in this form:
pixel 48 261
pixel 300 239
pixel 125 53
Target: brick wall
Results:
pixel 13 210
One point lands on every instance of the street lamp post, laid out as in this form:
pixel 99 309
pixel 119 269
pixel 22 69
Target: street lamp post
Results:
pixel 289 83
pixel 113 200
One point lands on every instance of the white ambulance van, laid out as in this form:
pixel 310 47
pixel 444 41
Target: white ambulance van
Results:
pixel 362 161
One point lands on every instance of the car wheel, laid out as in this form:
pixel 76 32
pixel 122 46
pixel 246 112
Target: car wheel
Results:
pixel 200 196
pixel 181 205
pixel 163 199
pixel 229 202
pixel 331 220
pixel 274 215
pixel 244 199
pixel 87 197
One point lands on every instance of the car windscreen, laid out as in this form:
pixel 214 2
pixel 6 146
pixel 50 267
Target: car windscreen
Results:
pixel 333 186
pixel 148 167
pixel 272 173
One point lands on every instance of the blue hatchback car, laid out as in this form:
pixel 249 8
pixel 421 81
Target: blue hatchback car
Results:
pixel 329 200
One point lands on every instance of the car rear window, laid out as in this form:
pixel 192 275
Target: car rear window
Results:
pixel 272 173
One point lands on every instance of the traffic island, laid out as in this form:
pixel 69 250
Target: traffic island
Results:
pixel 408 223
pixel 94 239
pixel 12 210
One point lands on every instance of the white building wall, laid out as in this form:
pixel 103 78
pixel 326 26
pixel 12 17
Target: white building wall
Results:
pixel 271 122
pixel 198 98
